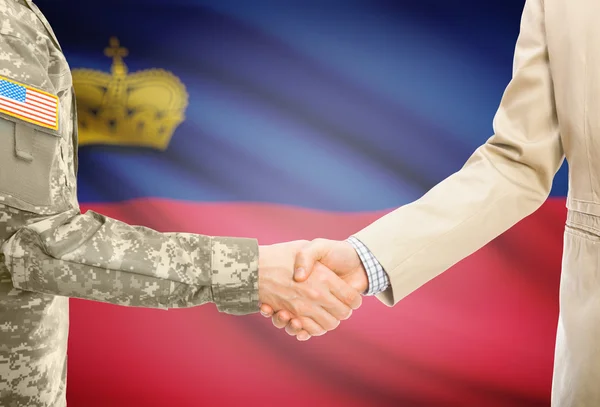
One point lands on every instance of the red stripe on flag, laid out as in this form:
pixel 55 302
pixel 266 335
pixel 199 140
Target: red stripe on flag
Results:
pixel 43 110
pixel 481 334
pixel 45 101
pixel 41 95
pixel 11 107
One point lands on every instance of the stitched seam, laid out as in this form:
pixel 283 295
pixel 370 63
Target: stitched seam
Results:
pixel 213 287
pixel 587 228
pixel 29 203
pixel 12 264
pixel 582 234
pixel 584 201
pixel 585 117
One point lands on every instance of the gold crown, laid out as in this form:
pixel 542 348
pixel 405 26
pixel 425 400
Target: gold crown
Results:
pixel 140 109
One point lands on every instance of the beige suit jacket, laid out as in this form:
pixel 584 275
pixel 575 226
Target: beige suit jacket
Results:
pixel 550 110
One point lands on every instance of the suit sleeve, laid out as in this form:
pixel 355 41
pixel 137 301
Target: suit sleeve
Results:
pixel 91 256
pixel 505 180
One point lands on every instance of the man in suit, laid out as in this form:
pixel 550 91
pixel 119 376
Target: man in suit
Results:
pixel 549 111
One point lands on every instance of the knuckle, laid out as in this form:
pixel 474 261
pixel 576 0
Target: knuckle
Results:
pixel 297 326
pixel 299 307
pixel 350 298
pixel 320 243
pixel 323 277
pixel 313 294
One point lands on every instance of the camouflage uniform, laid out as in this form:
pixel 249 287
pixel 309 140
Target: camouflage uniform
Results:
pixel 51 251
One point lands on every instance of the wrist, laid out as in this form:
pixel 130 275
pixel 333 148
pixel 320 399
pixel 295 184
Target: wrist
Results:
pixel 363 280
pixel 359 279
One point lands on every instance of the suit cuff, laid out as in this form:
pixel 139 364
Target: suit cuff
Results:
pixel 234 268
pixel 378 278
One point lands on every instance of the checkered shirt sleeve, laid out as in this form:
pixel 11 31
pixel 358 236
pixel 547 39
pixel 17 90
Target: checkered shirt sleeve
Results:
pixel 378 278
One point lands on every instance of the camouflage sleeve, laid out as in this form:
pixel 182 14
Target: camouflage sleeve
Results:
pixel 57 249
pixel 93 257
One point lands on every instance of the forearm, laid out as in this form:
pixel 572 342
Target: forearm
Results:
pixel 417 242
pixel 93 257
pixel 505 180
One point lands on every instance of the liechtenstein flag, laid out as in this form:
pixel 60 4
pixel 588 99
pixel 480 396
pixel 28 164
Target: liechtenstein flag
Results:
pixel 299 119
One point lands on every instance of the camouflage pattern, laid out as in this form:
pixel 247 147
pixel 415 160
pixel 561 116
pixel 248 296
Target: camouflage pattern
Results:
pixel 51 251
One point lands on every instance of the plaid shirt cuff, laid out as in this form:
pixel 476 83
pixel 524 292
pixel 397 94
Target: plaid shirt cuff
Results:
pixel 378 278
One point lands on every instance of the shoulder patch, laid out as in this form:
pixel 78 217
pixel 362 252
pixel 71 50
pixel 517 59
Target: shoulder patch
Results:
pixel 29 104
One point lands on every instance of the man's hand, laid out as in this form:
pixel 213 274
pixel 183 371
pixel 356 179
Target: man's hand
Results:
pixel 340 257
pixel 317 303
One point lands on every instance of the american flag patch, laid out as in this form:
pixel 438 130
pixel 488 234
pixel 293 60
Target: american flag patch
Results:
pixel 29 104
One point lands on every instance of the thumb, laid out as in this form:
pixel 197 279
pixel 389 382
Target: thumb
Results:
pixel 307 257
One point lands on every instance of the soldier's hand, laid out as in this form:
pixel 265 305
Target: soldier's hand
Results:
pixel 318 304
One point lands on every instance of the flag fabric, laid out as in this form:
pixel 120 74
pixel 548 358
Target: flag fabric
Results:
pixel 29 104
pixel 297 120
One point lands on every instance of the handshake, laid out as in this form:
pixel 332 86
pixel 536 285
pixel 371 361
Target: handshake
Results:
pixel 309 287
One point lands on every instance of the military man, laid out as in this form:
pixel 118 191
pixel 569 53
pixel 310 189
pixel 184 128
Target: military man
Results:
pixel 51 251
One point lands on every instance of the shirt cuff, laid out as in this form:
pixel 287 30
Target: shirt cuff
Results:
pixel 378 278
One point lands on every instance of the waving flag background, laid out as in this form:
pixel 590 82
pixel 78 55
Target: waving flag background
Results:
pixel 311 119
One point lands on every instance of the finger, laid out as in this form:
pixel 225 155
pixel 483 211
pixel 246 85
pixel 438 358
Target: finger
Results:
pixel 303 336
pixel 345 293
pixel 337 310
pixel 323 318
pixel 312 328
pixel 340 298
pixel 281 319
pixel 333 310
pixel 294 327
pixel 266 311
pixel 307 257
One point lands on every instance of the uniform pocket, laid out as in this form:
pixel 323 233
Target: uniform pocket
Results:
pixel 28 156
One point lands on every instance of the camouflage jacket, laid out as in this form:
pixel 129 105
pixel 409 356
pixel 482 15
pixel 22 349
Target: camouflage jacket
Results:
pixel 51 251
